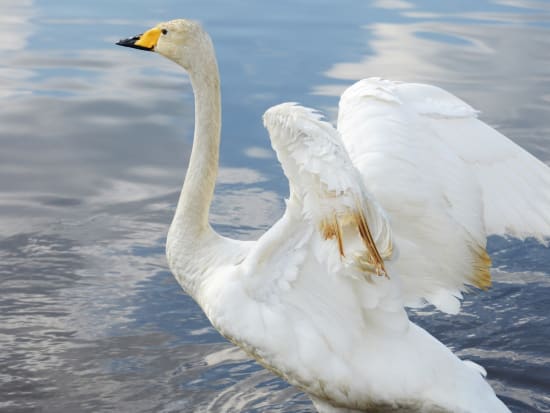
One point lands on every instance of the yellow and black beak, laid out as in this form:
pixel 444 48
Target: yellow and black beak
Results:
pixel 145 41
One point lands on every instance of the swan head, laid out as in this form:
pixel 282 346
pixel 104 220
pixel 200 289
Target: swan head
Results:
pixel 182 41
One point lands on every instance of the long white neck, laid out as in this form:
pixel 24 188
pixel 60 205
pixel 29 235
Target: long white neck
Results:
pixel 191 217
pixel 192 246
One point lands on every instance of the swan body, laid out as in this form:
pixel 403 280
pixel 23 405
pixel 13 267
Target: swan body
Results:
pixel 390 210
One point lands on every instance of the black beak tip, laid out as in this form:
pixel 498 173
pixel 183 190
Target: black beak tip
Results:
pixel 131 42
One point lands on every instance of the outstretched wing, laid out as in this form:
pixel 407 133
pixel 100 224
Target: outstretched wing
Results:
pixel 326 189
pixel 446 180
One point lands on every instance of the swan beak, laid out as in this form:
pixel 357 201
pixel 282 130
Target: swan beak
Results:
pixel 145 41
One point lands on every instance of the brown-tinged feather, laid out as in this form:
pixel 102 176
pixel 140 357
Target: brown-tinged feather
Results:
pixel 339 236
pixel 330 228
pixel 481 276
pixel 327 229
pixel 366 236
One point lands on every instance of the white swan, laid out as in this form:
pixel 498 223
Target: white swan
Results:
pixel 391 210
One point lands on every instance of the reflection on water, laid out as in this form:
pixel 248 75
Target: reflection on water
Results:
pixel 491 63
pixel 94 148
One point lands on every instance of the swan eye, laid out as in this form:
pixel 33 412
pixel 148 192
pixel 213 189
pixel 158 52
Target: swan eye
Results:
pixel 164 31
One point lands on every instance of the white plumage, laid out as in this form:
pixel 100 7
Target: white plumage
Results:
pixel 390 210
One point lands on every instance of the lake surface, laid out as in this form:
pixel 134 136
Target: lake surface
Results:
pixel 94 146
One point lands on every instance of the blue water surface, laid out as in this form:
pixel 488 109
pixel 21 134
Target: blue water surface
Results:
pixel 95 141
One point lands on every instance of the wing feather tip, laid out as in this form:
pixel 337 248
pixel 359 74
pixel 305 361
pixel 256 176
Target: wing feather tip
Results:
pixel 370 260
pixel 374 255
pixel 481 277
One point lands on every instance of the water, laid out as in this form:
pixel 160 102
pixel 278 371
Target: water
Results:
pixel 95 140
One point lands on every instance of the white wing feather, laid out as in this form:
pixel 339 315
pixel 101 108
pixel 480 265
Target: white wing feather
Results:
pixel 446 180
pixel 327 186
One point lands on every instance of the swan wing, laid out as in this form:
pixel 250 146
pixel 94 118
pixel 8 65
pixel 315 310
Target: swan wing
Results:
pixel 325 186
pixel 332 226
pixel 446 180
